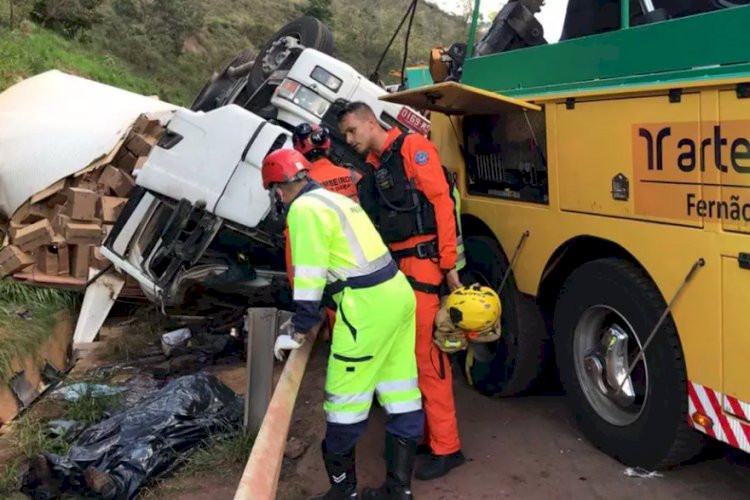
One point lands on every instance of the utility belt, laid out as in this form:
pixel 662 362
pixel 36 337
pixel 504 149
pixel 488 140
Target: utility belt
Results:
pixel 382 275
pixel 424 250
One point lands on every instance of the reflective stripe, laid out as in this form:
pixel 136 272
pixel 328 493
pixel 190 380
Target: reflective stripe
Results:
pixel 346 227
pixel 343 273
pixel 345 417
pixel 364 397
pixel 315 294
pixel 310 272
pixel 403 406
pixel 459 241
pixel 397 385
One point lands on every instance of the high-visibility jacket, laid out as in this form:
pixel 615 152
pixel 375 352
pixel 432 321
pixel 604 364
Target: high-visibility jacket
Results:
pixel 334 245
pixel 333 178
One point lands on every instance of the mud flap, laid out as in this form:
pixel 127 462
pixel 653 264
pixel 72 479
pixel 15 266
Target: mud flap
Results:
pixel 98 300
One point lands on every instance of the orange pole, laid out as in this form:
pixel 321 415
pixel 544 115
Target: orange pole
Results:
pixel 260 478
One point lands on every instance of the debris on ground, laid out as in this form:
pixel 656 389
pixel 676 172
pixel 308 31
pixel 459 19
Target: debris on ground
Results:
pixel 174 340
pixel 75 392
pixel 66 429
pixel 117 456
pixel 641 473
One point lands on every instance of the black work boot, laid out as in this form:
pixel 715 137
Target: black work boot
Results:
pixel 435 466
pixel 400 455
pixel 342 474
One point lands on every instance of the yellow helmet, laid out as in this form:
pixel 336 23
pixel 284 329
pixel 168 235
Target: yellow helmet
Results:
pixel 474 308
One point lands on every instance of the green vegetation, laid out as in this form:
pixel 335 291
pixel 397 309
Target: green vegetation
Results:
pixel 35 50
pixel 170 47
pixel 28 316
pixel 222 456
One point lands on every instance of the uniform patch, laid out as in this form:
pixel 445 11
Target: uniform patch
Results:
pixel 421 157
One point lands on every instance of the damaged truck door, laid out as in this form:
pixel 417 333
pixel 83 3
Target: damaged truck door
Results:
pixel 203 177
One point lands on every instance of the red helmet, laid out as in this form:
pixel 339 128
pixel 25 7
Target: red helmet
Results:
pixel 311 138
pixel 283 165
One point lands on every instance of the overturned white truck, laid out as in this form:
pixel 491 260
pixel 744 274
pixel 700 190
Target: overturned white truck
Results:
pixel 197 217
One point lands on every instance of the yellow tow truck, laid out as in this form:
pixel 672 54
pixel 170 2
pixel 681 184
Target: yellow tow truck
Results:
pixel 606 192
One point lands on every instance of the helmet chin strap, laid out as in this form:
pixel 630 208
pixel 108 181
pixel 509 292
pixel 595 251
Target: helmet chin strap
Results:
pixel 278 209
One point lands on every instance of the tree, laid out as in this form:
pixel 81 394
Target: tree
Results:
pixel 70 18
pixel 318 8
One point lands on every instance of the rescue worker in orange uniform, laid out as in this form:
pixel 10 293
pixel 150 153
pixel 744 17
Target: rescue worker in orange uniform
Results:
pixel 408 198
pixel 314 143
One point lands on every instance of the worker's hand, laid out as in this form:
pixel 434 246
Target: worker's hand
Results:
pixel 453 280
pixel 286 342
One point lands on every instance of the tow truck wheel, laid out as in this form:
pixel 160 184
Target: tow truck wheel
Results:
pixel 604 313
pixel 306 31
pixel 512 364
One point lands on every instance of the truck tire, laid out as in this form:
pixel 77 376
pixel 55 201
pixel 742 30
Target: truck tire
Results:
pixel 307 30
pixel 213 92
pixel 605 311
pixel 513 363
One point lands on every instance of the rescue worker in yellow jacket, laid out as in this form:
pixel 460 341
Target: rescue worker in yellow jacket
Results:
pixel 337 250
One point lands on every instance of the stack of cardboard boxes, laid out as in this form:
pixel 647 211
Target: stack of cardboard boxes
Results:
pixel 58 231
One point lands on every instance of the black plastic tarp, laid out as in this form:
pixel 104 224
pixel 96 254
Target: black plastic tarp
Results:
pixel 146 440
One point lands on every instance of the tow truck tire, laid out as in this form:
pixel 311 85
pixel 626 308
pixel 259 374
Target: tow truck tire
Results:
pixel 308 30
pixel 652 431
pixel 512 364
pixel 215 88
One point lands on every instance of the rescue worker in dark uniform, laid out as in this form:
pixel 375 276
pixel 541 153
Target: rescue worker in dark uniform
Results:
pixel 408 197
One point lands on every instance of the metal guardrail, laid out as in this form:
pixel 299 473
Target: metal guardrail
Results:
pixel 260 478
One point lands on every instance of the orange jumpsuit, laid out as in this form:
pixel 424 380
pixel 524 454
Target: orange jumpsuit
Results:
pixel 422 164
pixel 333 178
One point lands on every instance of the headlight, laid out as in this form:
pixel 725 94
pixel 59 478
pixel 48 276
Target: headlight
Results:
pixel 303 97
pixel 322 76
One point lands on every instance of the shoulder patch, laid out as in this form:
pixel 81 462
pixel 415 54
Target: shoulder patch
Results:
pixel 421 157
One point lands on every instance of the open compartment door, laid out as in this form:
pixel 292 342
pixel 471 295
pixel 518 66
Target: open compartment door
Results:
pixel 453 98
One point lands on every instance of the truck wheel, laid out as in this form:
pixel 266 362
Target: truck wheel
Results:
pixel 213 93
pixel 604 313
pixel 306 31
pixel 513 363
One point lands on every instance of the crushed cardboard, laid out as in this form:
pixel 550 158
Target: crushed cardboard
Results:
pixel 59 230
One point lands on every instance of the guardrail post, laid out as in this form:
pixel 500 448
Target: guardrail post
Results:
pixel 260 478
pixel 262 325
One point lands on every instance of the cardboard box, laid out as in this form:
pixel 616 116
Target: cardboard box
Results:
pixel 34 235
pixel 109 208
pixel 13 259
pixel 96 259
pixel 63 257
pixel 46 261
pixel 59 222
pixel 140 145
pixel 28 214
pixel 50 191
pixel 147 125
pixel 79 233
pixel 127 162
pixel 13 229
pixel 81 204
pixel 116 180
pixel 79 261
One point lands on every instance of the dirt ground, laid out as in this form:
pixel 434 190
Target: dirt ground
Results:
pixel 516 448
